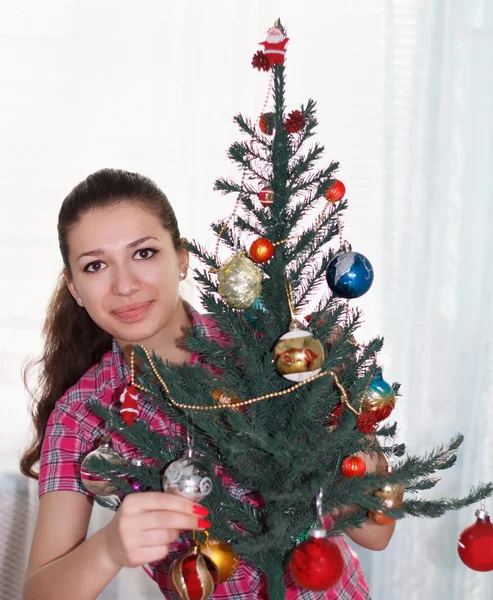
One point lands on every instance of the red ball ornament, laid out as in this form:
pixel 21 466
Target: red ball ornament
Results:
pixel 266 123
pixel 262 250
pixel 475 546
pixel 353 466
pixel 266 196
pixel 317 563
pixel 335 192
pixel 193 576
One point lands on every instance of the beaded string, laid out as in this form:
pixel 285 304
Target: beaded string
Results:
pixel 241 402
pixel 228 220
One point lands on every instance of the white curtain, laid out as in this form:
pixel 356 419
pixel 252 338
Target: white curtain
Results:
pixel 405 96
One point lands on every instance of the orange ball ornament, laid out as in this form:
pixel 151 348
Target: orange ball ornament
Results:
pixel 262 250
pixel 392 495
pixel 223 398
pixel 380 518
pixel 353 466
pixel 335 192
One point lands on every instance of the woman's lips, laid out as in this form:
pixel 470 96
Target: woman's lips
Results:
pixel 133 312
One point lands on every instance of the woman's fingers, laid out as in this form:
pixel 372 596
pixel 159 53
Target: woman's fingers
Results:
pixel 151 538
pixel 164 519
pixel 161 501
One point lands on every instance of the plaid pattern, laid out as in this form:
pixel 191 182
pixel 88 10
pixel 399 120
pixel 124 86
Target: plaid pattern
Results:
pixel 73 431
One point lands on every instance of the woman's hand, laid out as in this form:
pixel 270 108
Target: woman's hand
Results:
pixel 370 535
pixel 146 524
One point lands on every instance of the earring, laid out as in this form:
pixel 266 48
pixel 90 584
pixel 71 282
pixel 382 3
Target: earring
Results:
pixel 182 275
pixel 79 301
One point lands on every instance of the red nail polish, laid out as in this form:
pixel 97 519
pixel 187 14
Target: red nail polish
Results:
pixel 202 511
pixel 203 524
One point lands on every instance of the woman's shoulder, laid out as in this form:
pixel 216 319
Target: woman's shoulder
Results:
pixel 99 382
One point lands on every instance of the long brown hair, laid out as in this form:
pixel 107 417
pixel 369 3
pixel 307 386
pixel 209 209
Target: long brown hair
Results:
pixel 72 341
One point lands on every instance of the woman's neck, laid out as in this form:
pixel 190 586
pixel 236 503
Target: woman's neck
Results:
pixel 167 343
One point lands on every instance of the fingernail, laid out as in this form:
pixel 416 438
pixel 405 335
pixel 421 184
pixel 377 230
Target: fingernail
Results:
pixel 203 524
pixel 200 510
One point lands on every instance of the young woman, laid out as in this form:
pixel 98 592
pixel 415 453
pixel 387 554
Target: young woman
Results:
pixel 123 262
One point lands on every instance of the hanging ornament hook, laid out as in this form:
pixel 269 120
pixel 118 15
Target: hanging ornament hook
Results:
pixel 292 312
pixel 319 506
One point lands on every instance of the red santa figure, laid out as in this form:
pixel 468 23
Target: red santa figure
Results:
pixel 130 408
pixel 275 46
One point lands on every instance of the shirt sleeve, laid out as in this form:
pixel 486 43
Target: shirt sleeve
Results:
pixel 65 446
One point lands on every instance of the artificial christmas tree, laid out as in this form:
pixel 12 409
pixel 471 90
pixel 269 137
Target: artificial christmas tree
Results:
pixel 303 398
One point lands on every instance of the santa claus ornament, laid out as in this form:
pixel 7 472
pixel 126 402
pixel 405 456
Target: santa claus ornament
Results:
pixel 275 45
pixel 129 409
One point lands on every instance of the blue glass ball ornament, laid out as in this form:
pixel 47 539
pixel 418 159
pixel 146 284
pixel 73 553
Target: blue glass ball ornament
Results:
pixel 379 399
pixel 252 316
pixel 349 274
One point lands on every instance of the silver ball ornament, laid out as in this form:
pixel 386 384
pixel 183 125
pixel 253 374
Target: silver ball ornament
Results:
pixel 188 478
pixel 92 482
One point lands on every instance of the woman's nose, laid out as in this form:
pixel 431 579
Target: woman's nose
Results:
pixel 124 282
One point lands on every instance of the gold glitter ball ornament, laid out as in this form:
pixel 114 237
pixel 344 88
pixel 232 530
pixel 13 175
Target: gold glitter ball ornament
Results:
pixel 222 556
pixel 298 355
pixel 240 281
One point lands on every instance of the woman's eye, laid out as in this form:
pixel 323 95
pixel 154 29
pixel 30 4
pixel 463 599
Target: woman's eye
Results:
pixel 94 266
pixel 145 253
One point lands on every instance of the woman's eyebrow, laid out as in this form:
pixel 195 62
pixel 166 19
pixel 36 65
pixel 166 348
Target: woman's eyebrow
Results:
pixel 100 251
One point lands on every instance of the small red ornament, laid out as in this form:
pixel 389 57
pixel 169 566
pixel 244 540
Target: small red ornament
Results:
pixel 317 563
pixel 266 196
pixel 275 45
pixel 193 576
pixel 295 121
pixel 335 192
pixel 475 546
pixel 353 466
pixel 262 250
pixel 260 61
pixel 266 123
pixel 366 423
pixel 335 415
pixel 130 407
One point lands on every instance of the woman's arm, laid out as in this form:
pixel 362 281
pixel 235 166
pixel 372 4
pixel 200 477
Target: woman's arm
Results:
pixel 371 536
pixel 62 563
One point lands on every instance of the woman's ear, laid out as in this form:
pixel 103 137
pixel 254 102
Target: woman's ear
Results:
pixel 71 288
pixel 183 257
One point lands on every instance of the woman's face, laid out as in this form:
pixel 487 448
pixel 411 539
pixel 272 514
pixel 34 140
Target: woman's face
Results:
pixel 126 271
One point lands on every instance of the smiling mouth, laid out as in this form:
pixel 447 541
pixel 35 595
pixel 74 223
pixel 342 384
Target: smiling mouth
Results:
pixel 132 313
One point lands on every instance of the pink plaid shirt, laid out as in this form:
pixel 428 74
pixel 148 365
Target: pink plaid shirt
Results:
pixel 73 431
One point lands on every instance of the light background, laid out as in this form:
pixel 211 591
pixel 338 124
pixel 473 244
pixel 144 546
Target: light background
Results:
pixel 405 96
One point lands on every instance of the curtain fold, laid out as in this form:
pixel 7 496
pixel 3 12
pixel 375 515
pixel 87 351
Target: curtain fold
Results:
pixel 437 311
